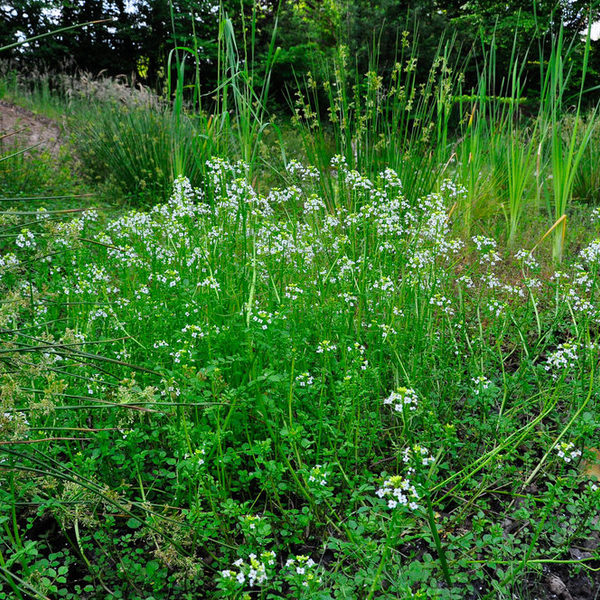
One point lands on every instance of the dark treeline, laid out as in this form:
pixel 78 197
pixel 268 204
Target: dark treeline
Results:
pixel 139 35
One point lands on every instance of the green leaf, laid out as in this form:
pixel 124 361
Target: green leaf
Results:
pixel 134 523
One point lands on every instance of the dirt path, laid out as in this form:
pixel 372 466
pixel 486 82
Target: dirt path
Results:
pixel 27 129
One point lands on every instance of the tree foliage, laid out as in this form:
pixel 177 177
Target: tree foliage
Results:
pixel 139 34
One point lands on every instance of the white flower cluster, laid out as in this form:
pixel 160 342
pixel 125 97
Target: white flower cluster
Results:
pixel 194 330
pixel 8 261
pixel 453 189
pixel 26 239
pixel 386 331
pixel 487 249
pixel 496 308
pixel 305 379
pixel 313 204
pixel 391 179
pixel 169 389
pixel 565 357
pixel 303 568
pixel 401 398
pixel 357 351
pixel 326 346
pixel 11 416
pixel 318 475
pixel 484 244
pixel 263 318
pixel 41 214
pixel 286 196
pixel 197 458
pixel 254 572
pixel 385 284
pixel 567 451
pixel 443 303
pixel 251 521
pixel 482 383
pixel 417 454
pixel 303 173
pixel 293 292
pixel 175 236
pixel 339 161
pixel 398 491
pixel 591 253
pixel 527 259
pixel 210 283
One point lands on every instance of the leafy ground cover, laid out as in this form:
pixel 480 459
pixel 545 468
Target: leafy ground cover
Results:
pixel 366 376
pixel 242 394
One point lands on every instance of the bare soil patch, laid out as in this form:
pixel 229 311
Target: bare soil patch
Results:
pixel 22 128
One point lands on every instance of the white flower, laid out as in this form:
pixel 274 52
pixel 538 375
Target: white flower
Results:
pixel 567 451
pixel 527 259
pixel 399 492
pixel 591 253
pixel 418 453
pixel 26 239
pixel 564 357
pixel 402 397
pixel 305 379
pixel 482 383
pixel 326 346
pixel 318 475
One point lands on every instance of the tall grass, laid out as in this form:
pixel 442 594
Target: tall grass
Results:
pixel 400 122
pixel 142 149
pixel 566 153
pixel 586 184
pixel 144 145
pixel 478 136
pixel 424 125
pixel 239 80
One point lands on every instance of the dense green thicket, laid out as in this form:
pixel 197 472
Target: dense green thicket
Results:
pixel 137 39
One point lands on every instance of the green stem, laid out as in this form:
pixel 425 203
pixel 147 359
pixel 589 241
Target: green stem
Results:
pixel 438 542
pixel 386 551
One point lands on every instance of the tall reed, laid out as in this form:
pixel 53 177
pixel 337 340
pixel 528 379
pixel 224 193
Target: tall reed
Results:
pixel 566 152
pixel 498 155
pixel 375 122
